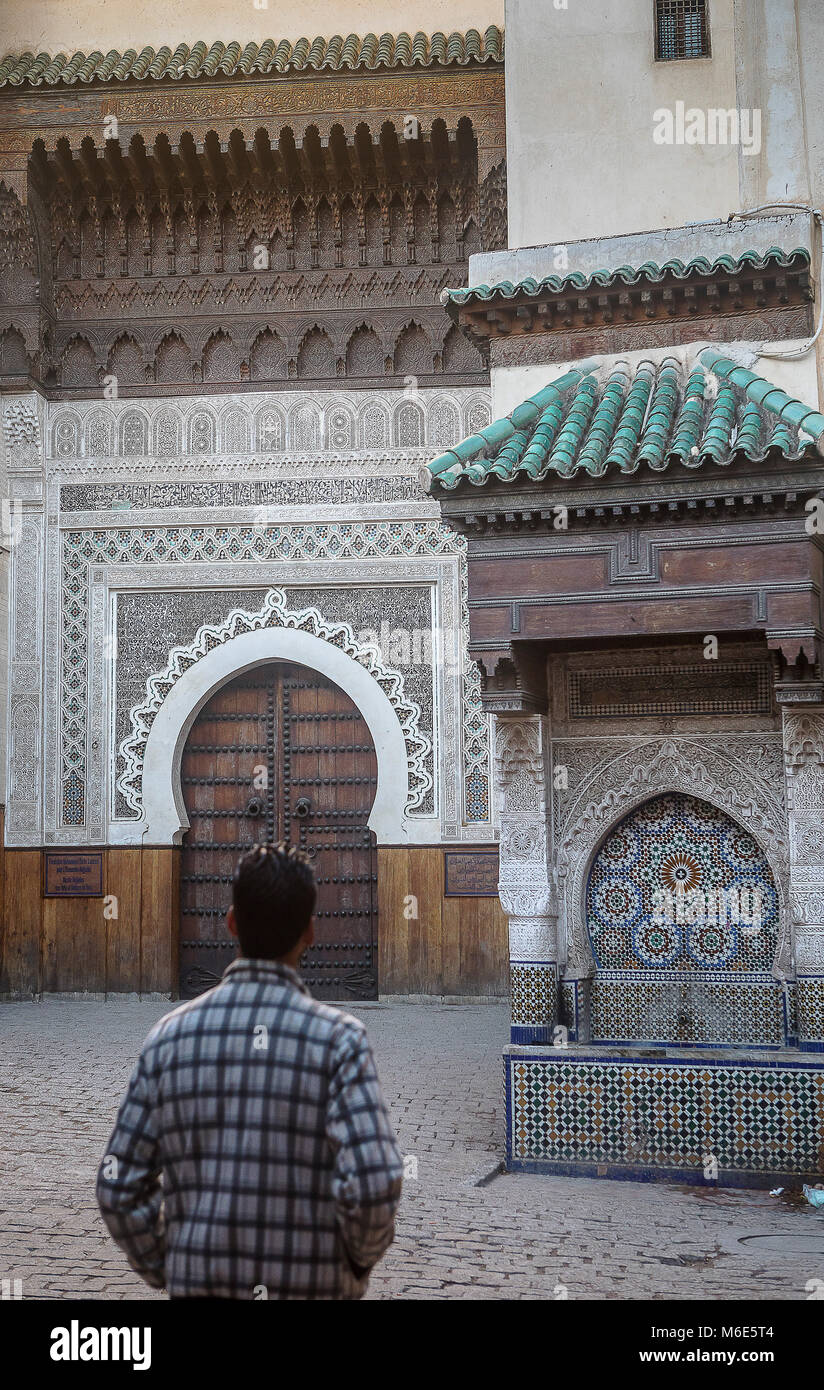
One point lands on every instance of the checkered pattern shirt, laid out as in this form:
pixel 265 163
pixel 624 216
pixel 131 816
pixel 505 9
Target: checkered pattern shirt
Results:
pixel 252 1156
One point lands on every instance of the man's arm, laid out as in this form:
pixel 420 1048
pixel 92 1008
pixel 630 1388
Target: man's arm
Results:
pixel 368 1166
pixel 129 1193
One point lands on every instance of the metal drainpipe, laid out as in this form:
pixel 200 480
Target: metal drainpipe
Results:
pixel 790 354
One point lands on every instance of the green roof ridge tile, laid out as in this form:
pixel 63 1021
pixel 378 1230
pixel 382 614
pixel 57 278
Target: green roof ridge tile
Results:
pixel 403 49
pixel 265 56
pixel 543 437
pixel 509 457
pixel 716 444
pixel 657 428
pixel 781 437
pixel 593 455
pixel 500 430
pixel 630 423
pixel 689 424
pixel 143 62
pixel 334 48
pixel 764 393
pixel 248 58
pixel 194 62
pixel 566 446
pixel 228 62
pixel 159 64
pixel 420 47
pixel 748 440
pixel 72 68
pixel 40 65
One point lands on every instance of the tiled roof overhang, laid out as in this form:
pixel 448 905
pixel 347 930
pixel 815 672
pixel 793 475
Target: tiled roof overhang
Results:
pixel 717 413
pixel 271 57
pixel 648 273
pixel 751 283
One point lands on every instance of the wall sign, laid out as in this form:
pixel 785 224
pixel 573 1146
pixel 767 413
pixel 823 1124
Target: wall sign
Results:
pixel 470 873
pixel 73 874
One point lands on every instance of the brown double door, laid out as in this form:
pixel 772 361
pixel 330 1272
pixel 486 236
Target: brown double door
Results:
pixel 281 754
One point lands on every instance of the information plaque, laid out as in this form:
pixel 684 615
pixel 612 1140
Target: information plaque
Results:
pixel 470 873
pixel 73 874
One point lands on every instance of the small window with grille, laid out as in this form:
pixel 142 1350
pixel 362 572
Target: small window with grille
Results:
pixel 681 29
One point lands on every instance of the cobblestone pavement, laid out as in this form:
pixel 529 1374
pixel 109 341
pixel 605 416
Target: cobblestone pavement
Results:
pixel 64 1066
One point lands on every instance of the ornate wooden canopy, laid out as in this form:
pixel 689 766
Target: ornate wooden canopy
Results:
pixel 224 230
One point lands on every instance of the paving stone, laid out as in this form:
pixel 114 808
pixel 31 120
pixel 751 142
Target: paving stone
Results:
pixel 66 1064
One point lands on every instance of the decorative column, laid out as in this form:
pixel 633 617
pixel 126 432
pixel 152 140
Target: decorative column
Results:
pixel 526 889
pixel 804 770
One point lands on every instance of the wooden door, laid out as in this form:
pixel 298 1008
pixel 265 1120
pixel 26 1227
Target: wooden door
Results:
pixel 281 754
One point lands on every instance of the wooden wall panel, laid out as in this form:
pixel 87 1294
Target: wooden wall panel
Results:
pixel 54 945
pixel 21 972
pixel 123 932
pixel 74 944
pixel 453 946
pixel 159 918
pixel 393 926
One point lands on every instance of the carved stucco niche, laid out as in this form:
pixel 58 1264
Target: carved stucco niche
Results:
pixel 737 776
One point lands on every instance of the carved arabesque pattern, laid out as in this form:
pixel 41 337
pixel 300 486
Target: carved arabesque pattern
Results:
pixel 275 613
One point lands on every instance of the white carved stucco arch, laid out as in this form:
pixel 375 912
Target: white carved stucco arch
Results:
pixel 672 770
pixel 164 815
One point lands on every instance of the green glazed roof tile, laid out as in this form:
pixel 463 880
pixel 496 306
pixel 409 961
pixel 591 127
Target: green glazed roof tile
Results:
pixel 203 60
pixel 650 272
pixel 656 417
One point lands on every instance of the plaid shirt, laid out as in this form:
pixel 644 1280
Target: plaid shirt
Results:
pixel 261 1111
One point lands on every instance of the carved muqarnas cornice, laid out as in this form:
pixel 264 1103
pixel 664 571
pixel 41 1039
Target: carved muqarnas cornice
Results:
pixel 293 251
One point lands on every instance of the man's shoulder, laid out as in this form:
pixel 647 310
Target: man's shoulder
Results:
pixel 299 1011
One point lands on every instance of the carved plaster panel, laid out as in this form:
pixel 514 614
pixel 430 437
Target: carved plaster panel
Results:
pixel 273 612
pixel 86 566
pixel 525 889
pixel 150 625
pixel 24 710
pixel 21 433
pixel 731 774
pixel 295 423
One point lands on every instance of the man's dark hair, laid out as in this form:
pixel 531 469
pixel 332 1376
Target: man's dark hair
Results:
pixel 273 894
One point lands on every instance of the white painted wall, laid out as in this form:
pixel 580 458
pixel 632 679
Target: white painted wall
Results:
pixel 581 89
pixel 53 26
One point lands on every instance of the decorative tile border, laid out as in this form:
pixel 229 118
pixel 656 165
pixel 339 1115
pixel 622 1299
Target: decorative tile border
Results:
pixel 701 1009
pixel 534 1000
pixel 810 1004
pixel 573 1110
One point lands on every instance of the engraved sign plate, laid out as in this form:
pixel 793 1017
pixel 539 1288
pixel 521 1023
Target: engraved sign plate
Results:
pixel 73 874
pixel 470 873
